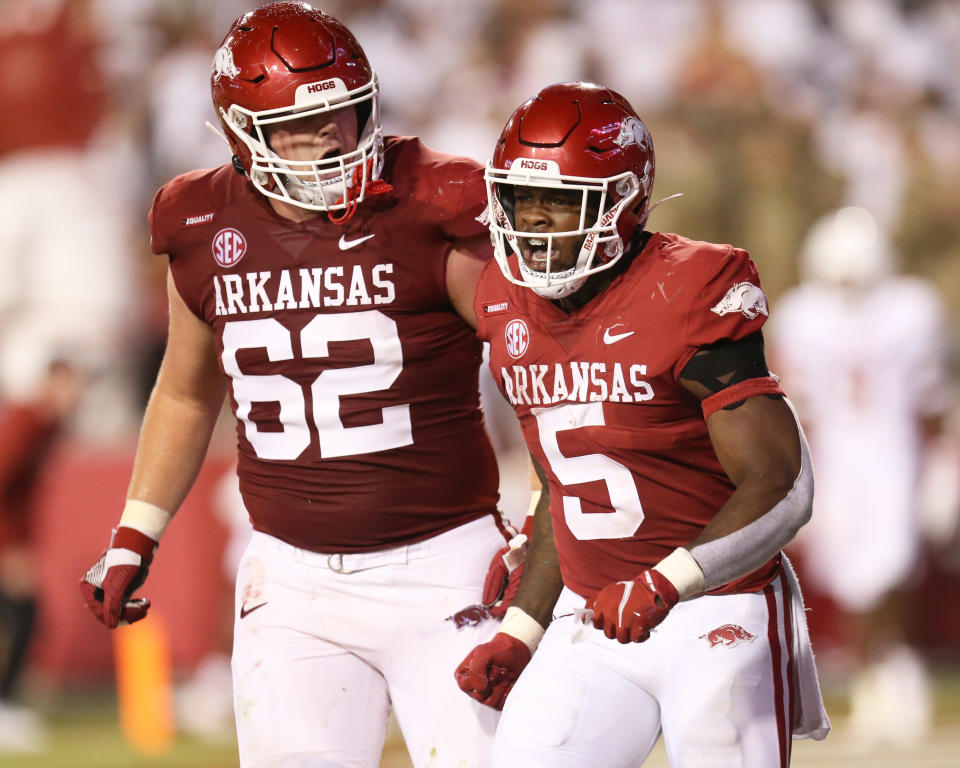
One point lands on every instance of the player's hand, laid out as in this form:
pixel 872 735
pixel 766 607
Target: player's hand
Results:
pixel 628 610
pixel 490 670
pixel 503 576
pixel 107 588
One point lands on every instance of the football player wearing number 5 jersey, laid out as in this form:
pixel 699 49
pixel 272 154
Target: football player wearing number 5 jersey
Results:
pixel 318 281
pixel 676 467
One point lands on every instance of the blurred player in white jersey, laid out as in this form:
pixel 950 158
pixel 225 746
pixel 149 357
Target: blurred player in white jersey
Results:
pixel 862 350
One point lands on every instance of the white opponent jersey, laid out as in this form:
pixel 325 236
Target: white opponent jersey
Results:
pixel 864 369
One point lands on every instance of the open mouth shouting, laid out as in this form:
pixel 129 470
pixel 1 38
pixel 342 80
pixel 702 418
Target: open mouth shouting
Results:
pixel 536 252
pixel 549 256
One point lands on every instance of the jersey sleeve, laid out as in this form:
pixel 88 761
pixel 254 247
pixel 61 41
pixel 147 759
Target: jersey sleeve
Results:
pixel 159 242
pixel 164 224
pixel 167 238
pixel 490 295
pixel 730 305
pixel 465 225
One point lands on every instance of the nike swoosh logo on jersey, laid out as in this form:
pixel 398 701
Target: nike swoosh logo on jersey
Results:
pixel 613 338
pixel 346 245
pixel 244 611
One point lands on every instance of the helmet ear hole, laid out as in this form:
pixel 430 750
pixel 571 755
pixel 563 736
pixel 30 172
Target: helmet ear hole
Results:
pixel 238 165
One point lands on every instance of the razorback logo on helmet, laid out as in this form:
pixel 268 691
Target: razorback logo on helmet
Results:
pixel 727 636
pixel 743 297
pixel 223 63
pixel 632 131
pixel 517 337
pixel 228 247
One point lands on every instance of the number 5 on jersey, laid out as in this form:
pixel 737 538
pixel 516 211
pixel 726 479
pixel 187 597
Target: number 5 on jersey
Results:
pixel 627 514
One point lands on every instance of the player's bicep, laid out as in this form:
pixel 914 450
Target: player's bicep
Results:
pixel 752 428
pixel 758 439
pixel 189 369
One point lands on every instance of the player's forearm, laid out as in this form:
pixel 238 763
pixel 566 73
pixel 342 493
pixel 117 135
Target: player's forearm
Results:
pixel 727 556
pixel 753 499
pixel 542 581
pixel 173 443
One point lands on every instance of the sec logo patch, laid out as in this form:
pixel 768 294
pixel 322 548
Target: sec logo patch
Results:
pixel 517 337
pixel 228 245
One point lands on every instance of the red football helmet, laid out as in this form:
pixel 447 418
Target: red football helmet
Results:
pixel 572 136
pixel 287 61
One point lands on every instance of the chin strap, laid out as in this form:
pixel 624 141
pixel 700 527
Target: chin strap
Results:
pixel 347 212
pixel 374 187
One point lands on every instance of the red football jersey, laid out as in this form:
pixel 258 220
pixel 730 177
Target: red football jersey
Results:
pixel 353 379
pixel 632 473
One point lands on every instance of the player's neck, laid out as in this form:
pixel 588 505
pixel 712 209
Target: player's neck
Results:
pixel 596 284
pixel 291 212
pixel 589 291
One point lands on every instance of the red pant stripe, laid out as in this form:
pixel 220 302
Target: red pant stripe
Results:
pixel 776 656
pixel 788 637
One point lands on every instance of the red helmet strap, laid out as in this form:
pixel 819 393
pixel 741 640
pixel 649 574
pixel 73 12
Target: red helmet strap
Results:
pixel 374 187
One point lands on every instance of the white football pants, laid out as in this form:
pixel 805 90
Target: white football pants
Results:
pixel 325 645
pixel 717 677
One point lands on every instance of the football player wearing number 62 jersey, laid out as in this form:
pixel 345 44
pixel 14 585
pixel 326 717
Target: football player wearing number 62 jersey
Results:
pixel 676 467
pixel 318 282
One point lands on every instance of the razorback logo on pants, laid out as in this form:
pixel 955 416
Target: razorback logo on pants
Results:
pixel 727 635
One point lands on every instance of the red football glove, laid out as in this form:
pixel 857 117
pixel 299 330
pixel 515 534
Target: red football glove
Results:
pixel 628 610
pixel 490 670
pixel 121 570
pixel 503 577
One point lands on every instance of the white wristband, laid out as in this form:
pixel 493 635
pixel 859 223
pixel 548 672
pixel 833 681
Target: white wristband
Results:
pixel 525 628
pixel 534 500
pixel 683 572
pixel 147 518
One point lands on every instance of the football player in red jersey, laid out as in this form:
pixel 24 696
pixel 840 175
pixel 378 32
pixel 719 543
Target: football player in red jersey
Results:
pixel 318 281
pixel 676 467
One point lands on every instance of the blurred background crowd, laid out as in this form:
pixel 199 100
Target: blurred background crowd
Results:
pixel 823 136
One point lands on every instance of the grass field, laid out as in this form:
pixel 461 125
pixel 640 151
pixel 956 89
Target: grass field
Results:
pixel 84 733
